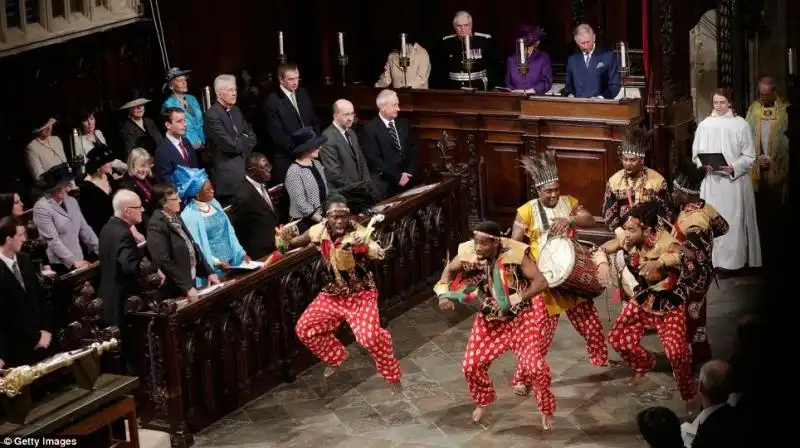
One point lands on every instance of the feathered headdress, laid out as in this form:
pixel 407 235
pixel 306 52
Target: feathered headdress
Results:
pixel 689 178
pixel 636 142
pixel 542 168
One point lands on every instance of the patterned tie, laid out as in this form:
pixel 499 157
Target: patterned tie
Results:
pixel 395 138
pixel 18 274
pixel 586 57
pixel 184 153
pixel 233 124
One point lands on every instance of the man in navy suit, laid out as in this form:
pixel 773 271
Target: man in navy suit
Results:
pixel 593 72
pixel 174 150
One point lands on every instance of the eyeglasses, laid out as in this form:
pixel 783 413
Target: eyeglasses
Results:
pixel 137 207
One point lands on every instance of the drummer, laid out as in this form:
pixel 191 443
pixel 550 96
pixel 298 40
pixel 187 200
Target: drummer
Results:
pixel 554 215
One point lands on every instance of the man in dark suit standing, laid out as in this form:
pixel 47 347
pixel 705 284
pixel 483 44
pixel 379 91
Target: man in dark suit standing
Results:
pixel 252 212
pixel 175 150
pixel 287 109
pixel 593 72
pixel 24 332
pixel 390 147
pixel 230 138
pixel 342 158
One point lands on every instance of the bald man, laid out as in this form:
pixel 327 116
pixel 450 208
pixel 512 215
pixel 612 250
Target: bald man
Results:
pixel 341 156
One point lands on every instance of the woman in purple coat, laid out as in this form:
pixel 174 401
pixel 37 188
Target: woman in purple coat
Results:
pixel 540 73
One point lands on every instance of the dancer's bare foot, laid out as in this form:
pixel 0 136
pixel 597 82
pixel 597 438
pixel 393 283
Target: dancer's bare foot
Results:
pixel 636 379
pixel 547 421
pixel 330 370
pixel 396 388
pixel 478 413
pixel 520 389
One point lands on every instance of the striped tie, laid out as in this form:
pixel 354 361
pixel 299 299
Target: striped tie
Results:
pixel 395 138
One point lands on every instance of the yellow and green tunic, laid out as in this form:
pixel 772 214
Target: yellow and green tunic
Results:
pixel 768 126
pixel 346 258
pixel 536 219
pixel 623 192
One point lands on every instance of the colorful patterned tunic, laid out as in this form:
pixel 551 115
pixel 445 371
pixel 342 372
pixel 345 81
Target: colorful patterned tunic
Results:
pixel 346 259
pixel 485 287
pixel 665 289
pixel 622 193
pixel 697 226
pixel 536 219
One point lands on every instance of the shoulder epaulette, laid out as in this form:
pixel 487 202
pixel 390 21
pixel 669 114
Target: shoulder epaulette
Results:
pixel 484 35
pixel 449 36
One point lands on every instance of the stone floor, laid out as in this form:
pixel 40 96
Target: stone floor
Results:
pixel 354 408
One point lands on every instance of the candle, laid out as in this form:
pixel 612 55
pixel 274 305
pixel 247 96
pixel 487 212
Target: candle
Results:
pixel 467 49
pixel 791 61
pixel 623 54
pixel 403 49
pixel 521 51
pixel 341 44
pixel 280 42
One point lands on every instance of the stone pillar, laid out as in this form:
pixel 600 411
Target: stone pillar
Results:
pixel 703 55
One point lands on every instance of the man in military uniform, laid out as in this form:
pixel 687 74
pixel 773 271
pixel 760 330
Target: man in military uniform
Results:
pixel 453 50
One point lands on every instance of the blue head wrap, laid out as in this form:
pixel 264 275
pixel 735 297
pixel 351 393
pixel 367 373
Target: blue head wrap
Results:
pixel 189 181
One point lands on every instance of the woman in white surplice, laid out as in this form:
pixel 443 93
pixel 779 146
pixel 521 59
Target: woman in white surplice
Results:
pixel 729 190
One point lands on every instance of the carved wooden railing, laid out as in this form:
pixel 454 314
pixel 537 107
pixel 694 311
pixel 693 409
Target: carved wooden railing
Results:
pixel 200 361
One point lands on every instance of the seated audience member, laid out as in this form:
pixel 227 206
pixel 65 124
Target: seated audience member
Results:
pixel 176 84
pixel 287 109
pixel 175 149
pixel 60 221
pixel 95 197
pixel 172 248
pixel 540 73
pixel 120 257
pixel 416 74
pixel 138 131
pixel 716 425
pixel 27 338
pixel 207 222
pixel 305 180
pixel 390 147
pixel 45 151
pixel 11 205
pixel 660 427
pixel 138 179
pixel 88 137
pixel 230 138
pixel 252 212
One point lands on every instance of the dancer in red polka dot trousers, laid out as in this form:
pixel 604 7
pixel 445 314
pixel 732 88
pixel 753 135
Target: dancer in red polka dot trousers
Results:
pixel 351 297
pixel 498 277
pixel 655 294
pixel 552 215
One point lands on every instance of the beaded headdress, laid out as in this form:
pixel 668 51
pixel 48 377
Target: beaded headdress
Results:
pixel 689 178
pixel 542 168
pixel 636 142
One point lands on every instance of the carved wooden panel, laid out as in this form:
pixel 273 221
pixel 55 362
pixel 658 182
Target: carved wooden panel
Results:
pixel 724 43
pixel 502 177
pixel 575 164
pixel 667 48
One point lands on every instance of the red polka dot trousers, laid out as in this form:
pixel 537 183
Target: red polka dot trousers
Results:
pixel 490 339
pixel 626 338
pixel 327 312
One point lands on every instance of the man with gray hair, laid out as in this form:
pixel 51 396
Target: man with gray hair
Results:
pixel 466 44
pixel 593 72
pixel 230 138
pixel 717 424
pixel 390 147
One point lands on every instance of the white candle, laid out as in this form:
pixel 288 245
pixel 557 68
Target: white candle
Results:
pixel 791 61
pixel 403 49
pixel 623 54
pixel 280 42
pixel 521 51
pixel 341 44
pixel 467 49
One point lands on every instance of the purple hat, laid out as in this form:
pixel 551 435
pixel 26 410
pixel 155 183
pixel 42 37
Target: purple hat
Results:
pixel 530 34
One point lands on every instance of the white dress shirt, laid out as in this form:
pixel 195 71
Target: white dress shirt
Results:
pixel 262 190
pixel 689 430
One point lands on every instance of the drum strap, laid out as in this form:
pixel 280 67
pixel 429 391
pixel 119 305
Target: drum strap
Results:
pixel 543 217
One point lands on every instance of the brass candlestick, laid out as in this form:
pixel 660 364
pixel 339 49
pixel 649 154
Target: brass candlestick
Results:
pixel 343 64
pixel 523 70
pixel 623 73
pixel 405 61
pixel 467 64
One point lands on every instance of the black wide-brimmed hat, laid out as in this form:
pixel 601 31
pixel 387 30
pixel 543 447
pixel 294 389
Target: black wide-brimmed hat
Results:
pixel 57 176
pixel 305 139
pixel 97 157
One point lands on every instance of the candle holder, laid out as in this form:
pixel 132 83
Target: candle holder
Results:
pixel 343 64
pixel 405 61
pixel 467 64
pixel 282 59
pixel 623 74
pixel 523 70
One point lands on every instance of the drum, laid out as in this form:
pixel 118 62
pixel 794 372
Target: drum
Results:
pixel 568 267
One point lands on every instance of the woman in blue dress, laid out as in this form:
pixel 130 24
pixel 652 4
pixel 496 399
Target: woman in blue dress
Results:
pixel 207 221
